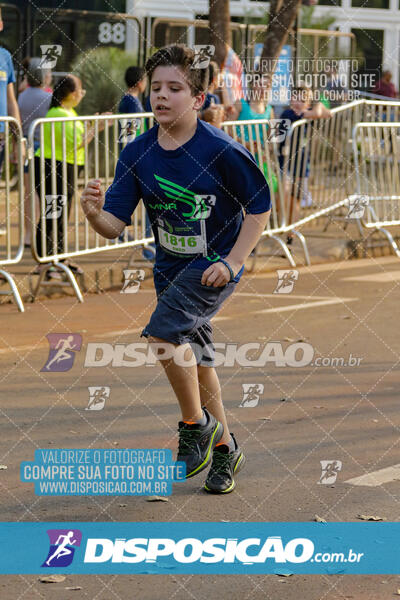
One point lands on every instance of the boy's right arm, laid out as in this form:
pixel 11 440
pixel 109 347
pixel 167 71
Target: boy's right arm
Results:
pixel 92 201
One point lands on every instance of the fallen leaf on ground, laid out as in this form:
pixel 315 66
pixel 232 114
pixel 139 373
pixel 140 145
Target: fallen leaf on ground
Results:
pixel 52 579
pixel 156 499
pixel 370 518
pixel 75 588
pixel 319 519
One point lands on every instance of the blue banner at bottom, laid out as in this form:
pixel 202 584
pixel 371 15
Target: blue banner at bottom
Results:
pixel 218 548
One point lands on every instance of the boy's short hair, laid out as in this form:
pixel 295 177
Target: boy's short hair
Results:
pixel 302 93
pixel 179 55
pixel 133 76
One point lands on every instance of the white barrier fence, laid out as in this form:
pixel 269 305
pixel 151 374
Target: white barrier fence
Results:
pixel 71 152
pixel 319 169
pixel 376 203
pixel 11 204
pixel 263 140
pixel 311 174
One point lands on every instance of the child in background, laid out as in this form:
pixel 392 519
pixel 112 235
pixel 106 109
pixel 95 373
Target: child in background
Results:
pixel 300 108
pixel 212 110
pixel 208 203
pixel 135 79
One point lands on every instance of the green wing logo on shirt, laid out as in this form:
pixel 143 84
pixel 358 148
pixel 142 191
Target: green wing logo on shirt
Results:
pixel 200 205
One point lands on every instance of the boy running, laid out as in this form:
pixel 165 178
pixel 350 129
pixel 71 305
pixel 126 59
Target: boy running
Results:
pixel 196 183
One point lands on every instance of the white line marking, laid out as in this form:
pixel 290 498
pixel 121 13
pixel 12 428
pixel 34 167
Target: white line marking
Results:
pixel 281 296
pixel 385 277
pixel 377 477
pixel 44 344
pixel 306 305
pixel 335 266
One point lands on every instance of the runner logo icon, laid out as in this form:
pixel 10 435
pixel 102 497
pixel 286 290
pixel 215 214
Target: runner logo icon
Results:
pixel 62 547
pixel 62 351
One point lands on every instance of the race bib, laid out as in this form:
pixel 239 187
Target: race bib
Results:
pixel 182 244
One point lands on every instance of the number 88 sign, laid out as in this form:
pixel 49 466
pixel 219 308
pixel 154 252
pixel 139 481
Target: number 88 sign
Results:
pixel 114 33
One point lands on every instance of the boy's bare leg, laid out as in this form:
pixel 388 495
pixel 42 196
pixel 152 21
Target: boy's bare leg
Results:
pixel 210 395
pixel 184 380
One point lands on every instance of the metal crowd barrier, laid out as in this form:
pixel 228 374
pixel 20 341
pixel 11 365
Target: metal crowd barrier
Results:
pixel 64 231
pixel 321 149
pixel 376 204
pixel 319 170
pixel 256 136
pixel 11 205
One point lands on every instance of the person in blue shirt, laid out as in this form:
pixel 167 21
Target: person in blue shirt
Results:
pixel 208 204
pixel 8 106
pixel 135 79
pixel 8 102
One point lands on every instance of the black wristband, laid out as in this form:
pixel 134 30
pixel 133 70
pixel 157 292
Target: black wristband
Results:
pixel 228 266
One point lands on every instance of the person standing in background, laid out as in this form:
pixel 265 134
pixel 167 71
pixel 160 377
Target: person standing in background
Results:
pixel 135 79
pixel 232 80
pixel 212 110
pixel 385 86
pixel 33 103
pixel 8 102
pixel 67 94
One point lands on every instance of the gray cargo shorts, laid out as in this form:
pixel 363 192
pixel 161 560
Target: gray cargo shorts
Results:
pixel 183 312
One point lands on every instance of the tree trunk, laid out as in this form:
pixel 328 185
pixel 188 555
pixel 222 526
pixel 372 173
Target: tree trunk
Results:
pixel 282 17
pixel 219 17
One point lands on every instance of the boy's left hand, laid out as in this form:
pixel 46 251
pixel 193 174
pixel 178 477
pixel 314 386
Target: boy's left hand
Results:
pixel 217 275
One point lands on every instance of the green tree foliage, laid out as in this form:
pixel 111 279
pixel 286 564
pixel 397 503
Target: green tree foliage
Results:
pixel 102 73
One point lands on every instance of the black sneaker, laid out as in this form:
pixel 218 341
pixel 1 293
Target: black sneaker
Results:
pixel 196 443
pixel 224 465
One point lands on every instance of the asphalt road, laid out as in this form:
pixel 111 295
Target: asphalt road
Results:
pixel 346 410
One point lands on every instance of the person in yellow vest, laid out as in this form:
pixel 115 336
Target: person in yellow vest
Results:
pixel 67 94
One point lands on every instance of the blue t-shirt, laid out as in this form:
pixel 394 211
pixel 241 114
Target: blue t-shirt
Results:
pixel 302 171
pixel 195 195
pixel 147 105
pixel 7 76
pixel 207 102
pixel 248 114
pixel 130 104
